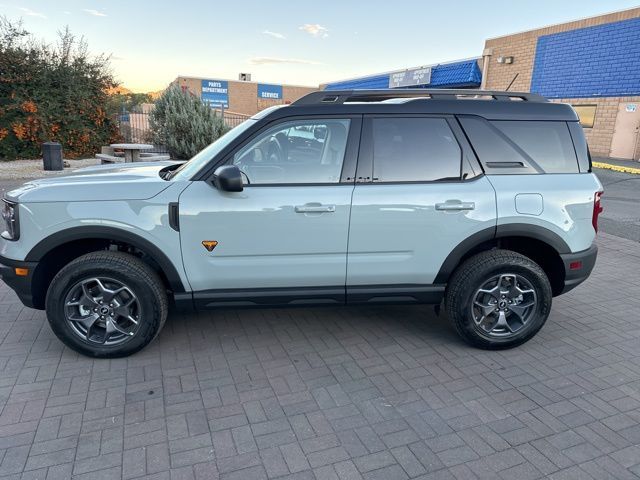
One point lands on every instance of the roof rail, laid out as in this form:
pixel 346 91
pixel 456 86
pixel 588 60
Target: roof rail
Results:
pixel 335 97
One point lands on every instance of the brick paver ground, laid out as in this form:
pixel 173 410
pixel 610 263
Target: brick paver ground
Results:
pixel 334 393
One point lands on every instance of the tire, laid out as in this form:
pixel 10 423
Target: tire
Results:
pixel 485 308
pixel 106 304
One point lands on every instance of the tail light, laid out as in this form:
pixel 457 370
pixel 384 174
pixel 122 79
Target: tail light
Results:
pixel 597 209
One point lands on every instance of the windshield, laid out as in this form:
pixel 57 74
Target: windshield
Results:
pixel 189 169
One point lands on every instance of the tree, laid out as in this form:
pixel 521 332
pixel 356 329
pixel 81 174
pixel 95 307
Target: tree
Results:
pixel 51 93
pixel 183 124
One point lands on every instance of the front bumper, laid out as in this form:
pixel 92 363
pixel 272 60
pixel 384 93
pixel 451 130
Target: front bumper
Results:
pixel 574 276
pixel 20 284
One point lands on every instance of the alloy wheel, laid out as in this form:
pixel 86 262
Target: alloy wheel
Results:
pixel 102 311
pixel 503 305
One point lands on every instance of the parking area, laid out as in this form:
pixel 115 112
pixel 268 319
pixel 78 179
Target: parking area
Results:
pixel 334 393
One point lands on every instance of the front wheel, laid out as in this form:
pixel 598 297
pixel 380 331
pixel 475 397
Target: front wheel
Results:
pixel 106 304
pixel 498 299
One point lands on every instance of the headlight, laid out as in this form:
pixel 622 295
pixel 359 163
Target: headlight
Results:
pixel 10 218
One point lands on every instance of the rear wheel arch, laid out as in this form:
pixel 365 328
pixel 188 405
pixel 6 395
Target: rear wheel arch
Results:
pixel 57 250
pixel 537 243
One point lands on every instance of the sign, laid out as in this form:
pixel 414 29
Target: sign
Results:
pixel 215 93
pixel 410 78
pixel 631 107
pixel 269 92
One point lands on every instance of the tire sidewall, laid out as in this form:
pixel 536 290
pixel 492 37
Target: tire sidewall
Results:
pixel 70 276
pixel 542 289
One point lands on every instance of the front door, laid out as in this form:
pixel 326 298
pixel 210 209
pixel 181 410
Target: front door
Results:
pixel 423 200
pixel 285 235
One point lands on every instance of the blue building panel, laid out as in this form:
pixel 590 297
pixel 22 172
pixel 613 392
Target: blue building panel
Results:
pixel 598 61
pixel 451 75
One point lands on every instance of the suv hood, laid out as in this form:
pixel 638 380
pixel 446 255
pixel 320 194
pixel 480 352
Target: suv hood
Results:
pixel 136 181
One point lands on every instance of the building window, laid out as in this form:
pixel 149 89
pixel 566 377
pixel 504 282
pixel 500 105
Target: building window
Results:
pixel 586 114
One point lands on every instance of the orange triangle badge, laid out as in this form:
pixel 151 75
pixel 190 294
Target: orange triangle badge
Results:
pixel 209 245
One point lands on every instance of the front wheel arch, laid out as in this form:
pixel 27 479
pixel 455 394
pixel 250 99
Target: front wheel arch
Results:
pixel 57 250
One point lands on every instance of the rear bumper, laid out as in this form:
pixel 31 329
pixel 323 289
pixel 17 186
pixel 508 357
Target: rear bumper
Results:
pixel 574 276
pixel 19 284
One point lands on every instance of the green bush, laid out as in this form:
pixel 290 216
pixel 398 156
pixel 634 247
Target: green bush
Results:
pixel 51 93
pixel 183 124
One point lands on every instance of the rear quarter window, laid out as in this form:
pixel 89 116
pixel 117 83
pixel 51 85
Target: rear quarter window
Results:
pixel 548 144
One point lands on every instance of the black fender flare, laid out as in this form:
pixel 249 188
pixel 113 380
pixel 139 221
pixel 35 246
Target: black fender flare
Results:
pixel 98 232
pixel 523 230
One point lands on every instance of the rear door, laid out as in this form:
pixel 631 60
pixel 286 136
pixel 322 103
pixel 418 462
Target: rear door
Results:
pixel 418 197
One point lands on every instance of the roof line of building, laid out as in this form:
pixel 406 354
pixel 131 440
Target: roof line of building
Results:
pixel 563 23
pixel 401 70
pixel 198 77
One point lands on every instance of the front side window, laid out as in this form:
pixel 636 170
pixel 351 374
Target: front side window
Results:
pixel 295 152
pixel 414 149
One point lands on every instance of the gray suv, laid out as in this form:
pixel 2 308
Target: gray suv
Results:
pixel 483 200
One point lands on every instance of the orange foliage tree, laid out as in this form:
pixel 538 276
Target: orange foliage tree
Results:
pixel 52 93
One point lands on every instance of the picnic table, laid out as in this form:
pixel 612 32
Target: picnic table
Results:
pixel 132 150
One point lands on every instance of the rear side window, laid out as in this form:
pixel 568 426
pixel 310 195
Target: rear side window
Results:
pixel 548 144
pixel 580 144
pixel 414 149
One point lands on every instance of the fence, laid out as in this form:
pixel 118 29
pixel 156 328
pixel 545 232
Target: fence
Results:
pixel 134 126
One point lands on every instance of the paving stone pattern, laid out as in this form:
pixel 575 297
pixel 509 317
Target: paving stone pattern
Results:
pixel 334 393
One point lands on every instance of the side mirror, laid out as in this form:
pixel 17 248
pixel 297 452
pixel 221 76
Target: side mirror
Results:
pixel 228 178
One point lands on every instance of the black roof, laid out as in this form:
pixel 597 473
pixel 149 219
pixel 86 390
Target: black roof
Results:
pixel 492 105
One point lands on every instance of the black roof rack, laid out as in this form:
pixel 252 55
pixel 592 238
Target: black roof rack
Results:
pixel 336 97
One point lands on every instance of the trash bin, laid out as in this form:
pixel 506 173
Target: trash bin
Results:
pixel 52 156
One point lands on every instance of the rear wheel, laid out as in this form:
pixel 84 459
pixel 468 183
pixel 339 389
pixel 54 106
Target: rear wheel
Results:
pixel 106 304
pixel 498 299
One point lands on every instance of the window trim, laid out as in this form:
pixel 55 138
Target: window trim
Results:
pixel 347 174
pixel 364 174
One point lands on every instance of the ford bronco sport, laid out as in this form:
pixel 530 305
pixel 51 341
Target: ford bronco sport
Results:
pixel 485 200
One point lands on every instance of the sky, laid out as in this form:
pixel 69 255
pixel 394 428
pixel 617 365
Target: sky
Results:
pixel 287 41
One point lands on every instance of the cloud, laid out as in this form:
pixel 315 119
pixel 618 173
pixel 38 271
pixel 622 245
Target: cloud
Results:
pixel 315 30
pixel 67 12
pixel 277 60
pixel 30 13
pixel 277 35
pixel 95 13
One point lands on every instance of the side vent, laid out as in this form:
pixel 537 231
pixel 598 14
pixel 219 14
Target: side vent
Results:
pixel 174 216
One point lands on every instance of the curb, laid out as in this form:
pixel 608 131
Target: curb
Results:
pixel 616 168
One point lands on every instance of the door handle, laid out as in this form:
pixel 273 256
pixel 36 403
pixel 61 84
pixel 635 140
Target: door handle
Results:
pixel 315 208
pixel 455 206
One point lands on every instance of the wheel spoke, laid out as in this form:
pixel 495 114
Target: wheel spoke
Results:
pixel 109 295
pixel 521 309
pixel 525 292
pixel 100 285
pixel 486 308
pixel 87 299
pixel 113 327
pixel 502 322
pixel 487 323
pixel 494 292
pixel 86 321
